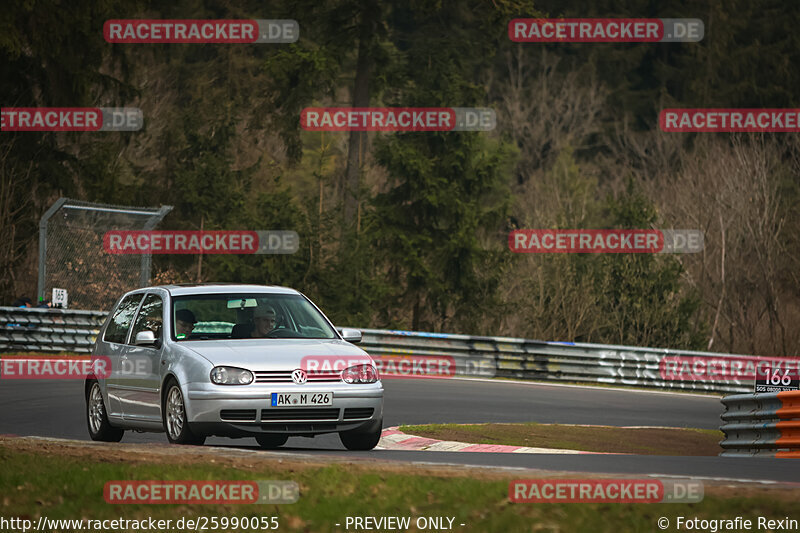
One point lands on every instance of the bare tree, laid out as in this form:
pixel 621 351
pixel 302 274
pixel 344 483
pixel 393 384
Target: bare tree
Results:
pixel 551 114
pixel 730 189
pixel 547 110
pixel 15 200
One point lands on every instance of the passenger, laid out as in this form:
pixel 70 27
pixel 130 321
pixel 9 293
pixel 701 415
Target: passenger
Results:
pixel 184 323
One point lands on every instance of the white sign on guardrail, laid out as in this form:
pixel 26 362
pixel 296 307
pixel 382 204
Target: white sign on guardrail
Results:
pixel 60 298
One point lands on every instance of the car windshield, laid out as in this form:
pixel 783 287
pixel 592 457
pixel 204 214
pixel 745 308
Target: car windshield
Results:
pixel 247 316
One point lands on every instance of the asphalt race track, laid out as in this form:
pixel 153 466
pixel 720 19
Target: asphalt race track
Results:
pixel 56 409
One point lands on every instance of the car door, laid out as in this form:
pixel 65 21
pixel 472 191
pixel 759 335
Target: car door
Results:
pixel 114 345
pixel 139 394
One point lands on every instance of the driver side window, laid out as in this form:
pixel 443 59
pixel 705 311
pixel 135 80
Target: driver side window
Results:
pixel 117 329
pixel 150 317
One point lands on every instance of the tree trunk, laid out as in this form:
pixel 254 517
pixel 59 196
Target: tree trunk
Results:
pixel 358 139
pixel 415 314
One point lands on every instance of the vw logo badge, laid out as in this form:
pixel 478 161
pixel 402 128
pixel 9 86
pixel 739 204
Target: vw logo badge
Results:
pixel 299 376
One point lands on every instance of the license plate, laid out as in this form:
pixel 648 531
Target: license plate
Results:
pixel 301 399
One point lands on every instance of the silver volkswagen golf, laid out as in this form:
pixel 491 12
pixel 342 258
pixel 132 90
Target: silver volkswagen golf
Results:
pixel 234 361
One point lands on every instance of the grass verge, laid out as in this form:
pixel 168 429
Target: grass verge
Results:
pixel 66 481
pixel 643 441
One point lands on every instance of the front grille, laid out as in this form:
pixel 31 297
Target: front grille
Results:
pixel 353 413
pixel 238 415
pixel 285 376
pixel 300 415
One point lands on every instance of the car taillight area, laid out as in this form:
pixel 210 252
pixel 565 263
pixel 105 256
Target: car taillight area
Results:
pixel 360 374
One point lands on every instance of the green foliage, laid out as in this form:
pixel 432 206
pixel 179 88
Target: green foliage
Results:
pixel 629 299
pixel 51 55
pixel 447 189
pixel 274 210
pixel 428 226
pixel 222 143
pixel 641 294
pixel 747 57
pixel 297 76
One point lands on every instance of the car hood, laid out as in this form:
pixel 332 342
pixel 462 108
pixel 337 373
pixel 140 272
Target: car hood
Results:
pixel 277 354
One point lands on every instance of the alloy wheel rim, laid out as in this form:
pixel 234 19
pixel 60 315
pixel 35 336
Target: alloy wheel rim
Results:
pixel 175 413
pixel 96 409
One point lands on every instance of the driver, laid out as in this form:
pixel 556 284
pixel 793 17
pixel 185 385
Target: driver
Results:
pixel 184 323
pixel 264 320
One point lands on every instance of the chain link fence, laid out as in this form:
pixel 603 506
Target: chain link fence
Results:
pixel 72 257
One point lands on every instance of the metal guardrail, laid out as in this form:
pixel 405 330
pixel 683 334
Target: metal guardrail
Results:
pixel 555 361
pixel 52 330
pixel 48 330
pixel 766 424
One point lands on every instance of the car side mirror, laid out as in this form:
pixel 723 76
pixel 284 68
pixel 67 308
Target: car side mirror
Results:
pixel 146 338
pixel 351 335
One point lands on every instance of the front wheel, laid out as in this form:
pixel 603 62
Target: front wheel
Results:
pixel 174 417
pixel 360 439
pixel 100 428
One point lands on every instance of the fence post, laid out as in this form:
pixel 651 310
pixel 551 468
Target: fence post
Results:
pixel 43 246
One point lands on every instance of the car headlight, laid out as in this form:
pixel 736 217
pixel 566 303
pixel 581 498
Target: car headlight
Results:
pixel 360 374
pixel 229 375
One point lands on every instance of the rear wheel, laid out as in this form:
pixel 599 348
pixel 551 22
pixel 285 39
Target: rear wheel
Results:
pixel 100 428
pixel 269 441
pixel 362 439
pixel 173 411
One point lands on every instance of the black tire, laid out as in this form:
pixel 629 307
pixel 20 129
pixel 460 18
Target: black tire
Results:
pixel 100 429
pixel 173 415
pixel 362 439
pixel 269 441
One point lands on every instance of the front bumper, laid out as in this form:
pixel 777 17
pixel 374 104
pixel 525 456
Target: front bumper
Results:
pixel 245 410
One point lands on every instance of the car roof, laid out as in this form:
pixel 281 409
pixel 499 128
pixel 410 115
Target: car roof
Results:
pixel 185 289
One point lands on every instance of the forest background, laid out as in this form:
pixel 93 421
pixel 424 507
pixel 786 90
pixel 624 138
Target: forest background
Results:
pixel 409 230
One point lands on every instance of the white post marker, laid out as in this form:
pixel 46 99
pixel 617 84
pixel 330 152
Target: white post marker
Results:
pixel 60 298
